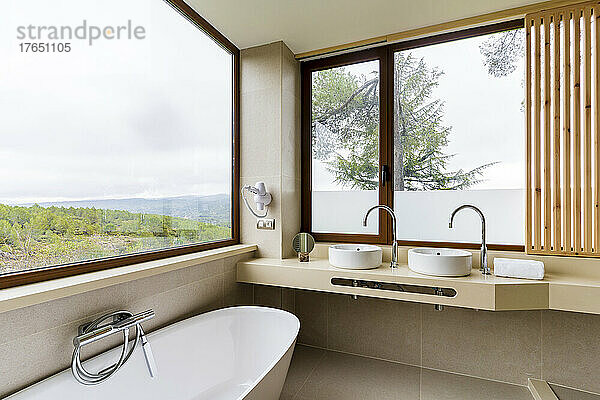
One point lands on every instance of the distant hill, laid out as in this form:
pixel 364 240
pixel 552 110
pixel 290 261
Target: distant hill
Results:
pixel 213 209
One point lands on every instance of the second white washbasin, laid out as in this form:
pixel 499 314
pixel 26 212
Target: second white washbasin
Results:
pixel 440 262
pixel 355 256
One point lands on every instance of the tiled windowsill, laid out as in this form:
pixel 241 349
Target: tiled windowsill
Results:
pixel 27 295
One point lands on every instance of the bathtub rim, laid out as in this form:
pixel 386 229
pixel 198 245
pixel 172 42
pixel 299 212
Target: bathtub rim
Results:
pixel 278 356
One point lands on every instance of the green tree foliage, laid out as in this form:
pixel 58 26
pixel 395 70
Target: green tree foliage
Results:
pixel 37 236
pixel 345 126
pixel 502 50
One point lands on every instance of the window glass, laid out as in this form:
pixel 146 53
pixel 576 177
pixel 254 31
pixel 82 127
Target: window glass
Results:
pixel 345 147
pixel 459 139
pixel 117 146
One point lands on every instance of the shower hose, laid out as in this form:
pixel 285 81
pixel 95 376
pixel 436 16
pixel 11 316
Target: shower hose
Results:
pixel 123 321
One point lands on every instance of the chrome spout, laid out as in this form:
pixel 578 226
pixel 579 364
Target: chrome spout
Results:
pixel 483 264
pixel 394 261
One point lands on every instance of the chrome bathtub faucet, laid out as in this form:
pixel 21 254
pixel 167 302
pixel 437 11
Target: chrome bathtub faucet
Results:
pixel 483 264
pixel 122 322
pixel 394 262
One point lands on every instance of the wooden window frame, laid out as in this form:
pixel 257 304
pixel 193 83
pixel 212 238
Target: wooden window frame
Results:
pixel 61 271
pixel 385 54
pixel 307 68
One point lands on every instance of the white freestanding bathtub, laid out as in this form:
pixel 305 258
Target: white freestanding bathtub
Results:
pixel 228 354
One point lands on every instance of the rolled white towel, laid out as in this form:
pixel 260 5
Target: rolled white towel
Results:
pixel 515 268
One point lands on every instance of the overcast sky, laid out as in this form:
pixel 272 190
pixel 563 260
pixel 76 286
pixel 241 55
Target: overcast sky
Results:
pixel 120 118
pixel 484 113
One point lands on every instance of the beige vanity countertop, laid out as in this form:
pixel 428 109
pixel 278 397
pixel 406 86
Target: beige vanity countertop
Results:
pixel 473 291
pixel 557 291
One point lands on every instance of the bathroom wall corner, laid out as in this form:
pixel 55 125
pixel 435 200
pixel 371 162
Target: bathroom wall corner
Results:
pixel 270 143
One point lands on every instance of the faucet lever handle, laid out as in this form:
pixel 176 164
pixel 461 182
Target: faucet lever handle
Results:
pixel 385 173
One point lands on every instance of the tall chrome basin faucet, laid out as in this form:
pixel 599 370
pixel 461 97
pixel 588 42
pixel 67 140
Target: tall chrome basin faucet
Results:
pixel 483 264
pixel 394 262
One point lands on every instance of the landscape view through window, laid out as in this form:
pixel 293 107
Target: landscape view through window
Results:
pixel 115 147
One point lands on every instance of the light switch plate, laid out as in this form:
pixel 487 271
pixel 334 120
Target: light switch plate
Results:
pixel 265 224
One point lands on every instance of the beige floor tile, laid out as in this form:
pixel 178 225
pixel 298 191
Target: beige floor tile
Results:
pixel 346 377
pixel 571 349
pixel 564 393
pixel 387 329
pixel 503 345
pixel 436 385
pixel 304 361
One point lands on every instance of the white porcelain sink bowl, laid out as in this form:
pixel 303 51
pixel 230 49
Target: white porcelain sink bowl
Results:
pixel 355 256
pixel 440 262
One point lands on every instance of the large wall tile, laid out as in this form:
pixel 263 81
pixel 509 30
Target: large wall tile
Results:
pixel 290 215
pixel 311 309
pixel 571 349
pixel 288 300
pixel 387 329
pixel 260 133
pixel 268 296
pixel 270 137
pixel 235 293
pixel 260 67
pixel 498 345
pixel 40 317
pixel 31 358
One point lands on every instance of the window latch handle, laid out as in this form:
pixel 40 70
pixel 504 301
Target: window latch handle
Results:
pixel 384 174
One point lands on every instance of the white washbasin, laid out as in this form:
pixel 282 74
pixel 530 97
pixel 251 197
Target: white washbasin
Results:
pixel 355 256
pixel 440 262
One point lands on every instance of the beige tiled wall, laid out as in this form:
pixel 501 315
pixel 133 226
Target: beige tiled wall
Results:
pixel 270 142
pixel 557 346
pixel 36 341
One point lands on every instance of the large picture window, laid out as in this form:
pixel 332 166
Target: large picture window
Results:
pixel 121 148
pixel 452 133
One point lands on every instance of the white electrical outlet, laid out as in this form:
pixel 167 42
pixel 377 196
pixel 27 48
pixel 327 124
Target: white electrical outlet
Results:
pixel 266 224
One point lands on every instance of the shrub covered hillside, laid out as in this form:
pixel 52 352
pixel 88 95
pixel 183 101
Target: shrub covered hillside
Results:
pixel 38 236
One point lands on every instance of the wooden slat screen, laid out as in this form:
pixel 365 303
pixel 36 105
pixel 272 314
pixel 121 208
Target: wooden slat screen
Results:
pixel 562 81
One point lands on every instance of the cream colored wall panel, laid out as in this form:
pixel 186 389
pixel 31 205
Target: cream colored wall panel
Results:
pixel 270 130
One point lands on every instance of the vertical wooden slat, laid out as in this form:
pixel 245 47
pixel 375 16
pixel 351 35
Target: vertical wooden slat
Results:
pixel 566 188
pixel 576 132
pixel 547 138
pixel 556 133
pixel 537 115
pixel 528 109
pixel 563 131
pixel 587 132
pixel 596 78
